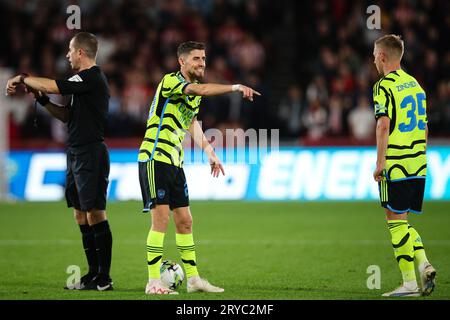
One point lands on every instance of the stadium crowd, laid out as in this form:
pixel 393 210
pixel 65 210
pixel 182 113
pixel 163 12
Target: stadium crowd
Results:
pixel 336 99
pixel 138 42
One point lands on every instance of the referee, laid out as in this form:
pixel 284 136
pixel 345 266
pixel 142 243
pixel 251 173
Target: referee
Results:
pixel 87 155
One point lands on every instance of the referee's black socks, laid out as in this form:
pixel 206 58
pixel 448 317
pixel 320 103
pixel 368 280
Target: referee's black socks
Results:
pixel 103 247
pixel 87 235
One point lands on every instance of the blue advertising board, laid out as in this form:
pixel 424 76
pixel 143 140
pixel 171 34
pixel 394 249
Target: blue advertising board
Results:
pixel 333 173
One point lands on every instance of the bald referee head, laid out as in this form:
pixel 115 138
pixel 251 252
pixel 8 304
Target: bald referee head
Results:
pixel 83 48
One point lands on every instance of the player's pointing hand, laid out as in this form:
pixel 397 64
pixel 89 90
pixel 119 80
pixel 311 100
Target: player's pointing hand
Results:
pixel 247 92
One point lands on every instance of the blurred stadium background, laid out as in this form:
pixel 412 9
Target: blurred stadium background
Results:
pixel 311 60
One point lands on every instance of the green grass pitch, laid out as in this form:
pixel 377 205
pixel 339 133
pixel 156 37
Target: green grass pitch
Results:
pixel 255 250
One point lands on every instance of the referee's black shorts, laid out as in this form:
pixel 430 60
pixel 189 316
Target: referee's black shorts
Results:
pixel 87 177
pixel 162 183
pixel 402 196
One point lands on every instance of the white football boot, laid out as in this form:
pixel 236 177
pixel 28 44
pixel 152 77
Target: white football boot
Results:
pixel 427 278
pixel 409 289
pixel 197 284
pixel 155 286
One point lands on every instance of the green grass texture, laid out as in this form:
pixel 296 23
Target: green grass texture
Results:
pixel 255 250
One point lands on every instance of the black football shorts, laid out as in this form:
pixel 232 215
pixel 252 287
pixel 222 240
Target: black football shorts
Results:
pixel 402 196
pixel 162 183
pixel 87 177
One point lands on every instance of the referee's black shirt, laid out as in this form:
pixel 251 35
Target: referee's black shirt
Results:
pixel 88 108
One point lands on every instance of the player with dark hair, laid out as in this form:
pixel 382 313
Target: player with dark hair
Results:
pixel 87 155
pixel 401 168
pixel 173 111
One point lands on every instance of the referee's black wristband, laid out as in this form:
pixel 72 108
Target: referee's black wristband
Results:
pixel 43 100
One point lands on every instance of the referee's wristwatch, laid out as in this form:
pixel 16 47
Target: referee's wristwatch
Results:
pixel 23 76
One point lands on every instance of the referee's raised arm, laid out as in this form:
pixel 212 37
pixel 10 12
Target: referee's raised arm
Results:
pixel 81 57
pixel 40 84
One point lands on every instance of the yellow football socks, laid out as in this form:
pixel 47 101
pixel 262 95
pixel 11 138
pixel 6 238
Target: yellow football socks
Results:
pixel 155 241
pixel 186 246
pixel 419 251
pixel 402 241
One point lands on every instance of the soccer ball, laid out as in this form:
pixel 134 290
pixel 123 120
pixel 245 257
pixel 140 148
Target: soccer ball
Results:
pixel 172 274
